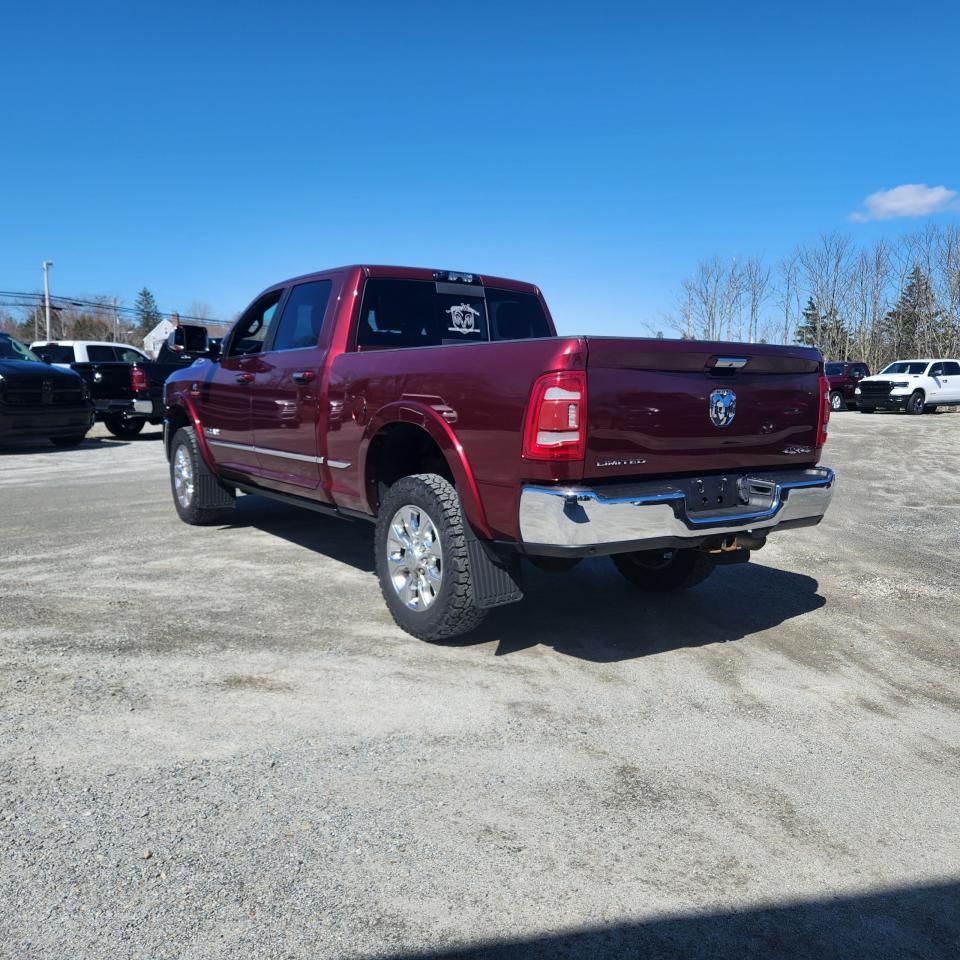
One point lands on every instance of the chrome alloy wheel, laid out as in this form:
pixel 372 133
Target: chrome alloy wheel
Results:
pixel 414 558
pixel 836 401
pixel 183 477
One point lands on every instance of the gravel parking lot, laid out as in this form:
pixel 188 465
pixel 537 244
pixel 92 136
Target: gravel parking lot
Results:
pixel 215 743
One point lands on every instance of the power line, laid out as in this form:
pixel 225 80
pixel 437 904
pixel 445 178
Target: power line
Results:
pixel 62 302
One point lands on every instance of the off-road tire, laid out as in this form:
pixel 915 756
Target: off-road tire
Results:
pixel 453 612
pixel 685 569
pixel 122 428
pixel 210 499
pixel 915 404
pixel 73 441
pixel 837 402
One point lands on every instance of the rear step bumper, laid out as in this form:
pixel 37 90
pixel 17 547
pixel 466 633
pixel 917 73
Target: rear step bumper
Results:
pixel 582 520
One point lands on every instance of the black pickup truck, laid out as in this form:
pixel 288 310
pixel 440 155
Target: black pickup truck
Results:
pixel 129 395
pixel 37 400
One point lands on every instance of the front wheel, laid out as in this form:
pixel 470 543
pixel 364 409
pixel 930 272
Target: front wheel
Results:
pixel 664 570
pixel 422 561
pixel 836 400
pixel 122 428
pixel 197 493
pixel 915 404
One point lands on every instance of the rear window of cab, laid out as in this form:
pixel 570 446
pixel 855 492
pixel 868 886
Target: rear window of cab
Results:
pixel 423 313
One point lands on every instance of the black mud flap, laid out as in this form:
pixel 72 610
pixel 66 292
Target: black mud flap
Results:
pixel 496 580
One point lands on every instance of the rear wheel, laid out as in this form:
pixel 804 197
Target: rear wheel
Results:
pixel 73 441
pixel 197 493
pixel 664 570
pixel 422 561
pixel 123 428
pixel 836 400
pixel 915 403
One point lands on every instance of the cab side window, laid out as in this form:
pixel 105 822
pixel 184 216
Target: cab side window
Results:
pixel 936 370
pixel 951 368
pixel 302 317
pixel 251 329
pixel 100 354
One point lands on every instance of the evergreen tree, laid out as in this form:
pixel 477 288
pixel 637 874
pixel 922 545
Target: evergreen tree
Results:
pixel 908 328
pixel 148 313
pixel 824 330
pixel 810 329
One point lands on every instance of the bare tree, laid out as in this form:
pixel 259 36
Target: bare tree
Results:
pixel 756 285
pixel 788 293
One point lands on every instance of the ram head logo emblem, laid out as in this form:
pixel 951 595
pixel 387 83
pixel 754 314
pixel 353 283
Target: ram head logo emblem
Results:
pixel 722 407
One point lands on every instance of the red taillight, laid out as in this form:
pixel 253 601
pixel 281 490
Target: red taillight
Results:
pixel 824 418
pixel 556 427
pixel 138 380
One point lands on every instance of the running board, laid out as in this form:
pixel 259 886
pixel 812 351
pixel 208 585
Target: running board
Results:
pixel 295 501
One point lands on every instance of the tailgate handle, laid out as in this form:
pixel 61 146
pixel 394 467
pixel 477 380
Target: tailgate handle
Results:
pixel 728 363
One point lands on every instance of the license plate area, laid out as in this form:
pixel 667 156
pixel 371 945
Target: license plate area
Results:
pixel 712 493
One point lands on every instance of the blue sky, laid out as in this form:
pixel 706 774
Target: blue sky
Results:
pixel 600 150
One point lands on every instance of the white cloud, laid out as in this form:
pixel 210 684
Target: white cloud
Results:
pixel 907 200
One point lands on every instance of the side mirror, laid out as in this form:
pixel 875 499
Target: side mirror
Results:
pixel 189 339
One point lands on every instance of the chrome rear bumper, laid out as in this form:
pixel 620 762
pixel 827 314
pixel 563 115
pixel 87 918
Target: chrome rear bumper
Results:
pixel 582 519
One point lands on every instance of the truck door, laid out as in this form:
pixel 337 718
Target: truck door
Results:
pixel 938 385
pixel 225 387
pixel 287 418
pixel 950 382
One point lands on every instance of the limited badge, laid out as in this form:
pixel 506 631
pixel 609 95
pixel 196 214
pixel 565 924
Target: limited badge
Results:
pixel 723 407
pixel 463 318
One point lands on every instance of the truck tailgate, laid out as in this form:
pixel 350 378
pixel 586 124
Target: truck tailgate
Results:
pixel 658 407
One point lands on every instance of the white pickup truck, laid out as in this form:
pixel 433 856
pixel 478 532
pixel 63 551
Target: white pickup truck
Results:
pixel 64 352
pixel 913 386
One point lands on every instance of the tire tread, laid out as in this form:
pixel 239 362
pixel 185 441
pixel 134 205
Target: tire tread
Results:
pixel 461 614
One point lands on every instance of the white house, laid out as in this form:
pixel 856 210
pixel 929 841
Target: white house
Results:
pixel 154 339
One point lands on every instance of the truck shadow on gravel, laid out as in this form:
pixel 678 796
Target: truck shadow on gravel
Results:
pixel 590 612
pixel 594 614
pixel 919 921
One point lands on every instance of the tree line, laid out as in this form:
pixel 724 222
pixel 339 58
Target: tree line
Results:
pixel 96 318
pixel 897 298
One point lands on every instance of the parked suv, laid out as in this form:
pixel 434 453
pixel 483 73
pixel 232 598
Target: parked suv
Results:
pixel 913 386
pixel 443 407
pixel 844 377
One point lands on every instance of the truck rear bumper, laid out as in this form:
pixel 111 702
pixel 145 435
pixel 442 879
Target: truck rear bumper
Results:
pixel 583 520
pixel 129 408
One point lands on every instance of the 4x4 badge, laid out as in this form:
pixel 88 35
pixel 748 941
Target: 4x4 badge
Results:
pixel 722 407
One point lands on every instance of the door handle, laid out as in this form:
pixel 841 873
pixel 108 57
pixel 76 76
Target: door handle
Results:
pixel 303 376
pixel 244 378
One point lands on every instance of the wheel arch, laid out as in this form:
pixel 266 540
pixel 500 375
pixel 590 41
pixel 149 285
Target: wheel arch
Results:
pixel 406 438
pixel 182 414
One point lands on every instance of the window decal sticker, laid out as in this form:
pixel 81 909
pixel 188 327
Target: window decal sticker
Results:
pixel 463 317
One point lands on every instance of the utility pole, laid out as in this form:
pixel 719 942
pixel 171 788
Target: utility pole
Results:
pixel 47 264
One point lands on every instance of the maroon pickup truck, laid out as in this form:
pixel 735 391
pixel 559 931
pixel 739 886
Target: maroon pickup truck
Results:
pixel 444 407
pixel 843 378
